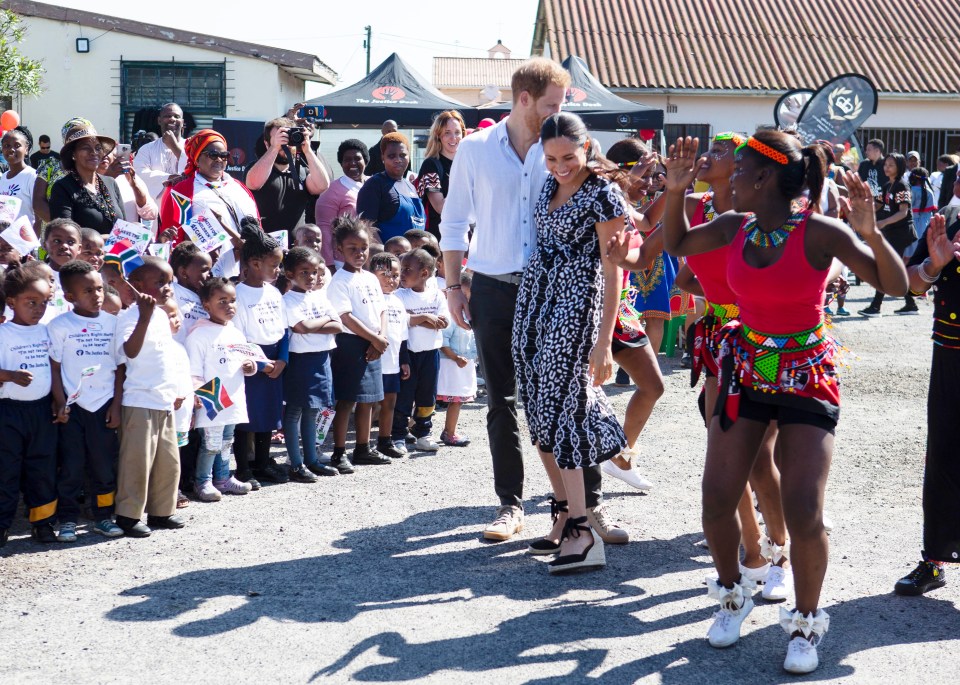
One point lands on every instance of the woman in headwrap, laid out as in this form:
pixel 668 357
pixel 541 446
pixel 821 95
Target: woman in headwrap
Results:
pixel 208 188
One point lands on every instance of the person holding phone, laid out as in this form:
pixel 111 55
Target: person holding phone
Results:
pixel 134 195
pixel 163 161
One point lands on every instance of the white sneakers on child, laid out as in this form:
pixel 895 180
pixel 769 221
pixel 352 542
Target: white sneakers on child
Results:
pixel 232 486
pixel 735 605
pixel 206 492
pixel 802 649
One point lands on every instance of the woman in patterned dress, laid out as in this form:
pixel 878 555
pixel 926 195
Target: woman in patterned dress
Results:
pixel 566 311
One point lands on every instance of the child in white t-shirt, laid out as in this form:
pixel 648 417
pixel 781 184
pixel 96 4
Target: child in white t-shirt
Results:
pixel 62 241
pixel 427 308
pixel 211 359
pixel 188 439
pixel 457 381
pixel 86 396
pixel 191 267
pixel 149 467
pixel 357 376
pixel 396 360
pixel 28 448
pixel 308 385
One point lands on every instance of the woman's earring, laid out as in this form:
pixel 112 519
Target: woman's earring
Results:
pixel 756 186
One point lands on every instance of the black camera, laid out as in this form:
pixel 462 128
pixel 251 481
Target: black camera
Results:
pixel 295 136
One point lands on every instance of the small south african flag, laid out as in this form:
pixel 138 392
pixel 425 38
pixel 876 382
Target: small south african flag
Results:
pixel 184 206
pixel 213 396
pixel 124 256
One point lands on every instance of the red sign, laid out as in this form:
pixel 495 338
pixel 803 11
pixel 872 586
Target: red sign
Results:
pixel 238 156
pixel 575 94
pixel 388 93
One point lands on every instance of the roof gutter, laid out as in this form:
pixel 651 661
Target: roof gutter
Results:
pixel 766 93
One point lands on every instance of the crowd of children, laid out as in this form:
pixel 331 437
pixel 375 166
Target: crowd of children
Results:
pixel 127 385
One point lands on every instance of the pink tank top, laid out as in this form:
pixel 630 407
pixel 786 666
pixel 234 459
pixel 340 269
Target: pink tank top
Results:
pixel 710 268
pixel 786 296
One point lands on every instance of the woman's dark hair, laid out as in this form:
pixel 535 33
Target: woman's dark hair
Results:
pixel 345 226
pixel 298 255
pixel 25 133
pixel 16 280
pixel 183 254
pixel 256 243
pixel 571 127
pixel 353 144
pixel 383 260
pixel 626 151
pixel 211 285
pixel 828 151
pixel 806 167
pixel 901 163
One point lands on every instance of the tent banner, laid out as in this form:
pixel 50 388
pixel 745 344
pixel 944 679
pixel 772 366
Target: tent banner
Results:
pixel 837 109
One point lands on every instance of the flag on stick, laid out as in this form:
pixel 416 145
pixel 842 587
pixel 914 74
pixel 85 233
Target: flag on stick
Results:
pixel 124 256
pixel 213 396
pixel 184 206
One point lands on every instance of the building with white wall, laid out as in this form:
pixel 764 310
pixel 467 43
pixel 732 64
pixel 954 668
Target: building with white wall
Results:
pixel 113 71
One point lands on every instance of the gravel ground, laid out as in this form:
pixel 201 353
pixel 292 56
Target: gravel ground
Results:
pixel 381 576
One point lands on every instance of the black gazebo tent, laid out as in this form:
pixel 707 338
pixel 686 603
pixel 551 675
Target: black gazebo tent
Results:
pixel 600 109
pixel 394 90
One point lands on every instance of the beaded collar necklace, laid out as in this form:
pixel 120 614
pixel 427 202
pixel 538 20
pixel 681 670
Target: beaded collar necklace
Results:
pixel 774 238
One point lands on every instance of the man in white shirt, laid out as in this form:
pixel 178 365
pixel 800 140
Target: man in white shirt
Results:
pixel 495 182
pixel 156 162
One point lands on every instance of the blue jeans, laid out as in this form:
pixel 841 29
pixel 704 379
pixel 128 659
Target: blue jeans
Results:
pixel 214 462
pixel 300 422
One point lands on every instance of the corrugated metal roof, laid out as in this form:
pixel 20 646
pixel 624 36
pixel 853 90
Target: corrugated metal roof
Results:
pixel 473 72
pixel 904 46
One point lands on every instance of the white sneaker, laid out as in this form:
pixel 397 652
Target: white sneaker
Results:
pixel 67 532
pixel 735 605
pixel 756 575
pixel 207 493
pixel 628 476
pixel 827 522
pixel 232 486
pixel 426 444
pixel 776 585
pixel 802 649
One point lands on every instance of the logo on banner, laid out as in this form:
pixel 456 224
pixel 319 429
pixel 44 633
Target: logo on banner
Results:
pixel 393 93
pixel 575 94
pixel 238 156
pixel 842 107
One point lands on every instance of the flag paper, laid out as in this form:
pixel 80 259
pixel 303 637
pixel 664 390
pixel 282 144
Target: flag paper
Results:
pixel 213 397
pixel 247 351
pixel 206 232
pixel 85 373
pixel 281 237
pixel 136 234
pixel 184 208
pixel 124 256
pixel 20 236
pixel 9 208
pixel 161 250
pixel 324 421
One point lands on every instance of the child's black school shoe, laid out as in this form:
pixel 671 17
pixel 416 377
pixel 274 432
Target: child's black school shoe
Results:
pixel 247 477
pixel 925 577
pixel 341 463
pixel 166 522
pixel 272 473
pixel 4 534
pixel 302 475
pixel 43 533
pixel 133 528
pixel 362 454
pixel 319 469
pixel 386 448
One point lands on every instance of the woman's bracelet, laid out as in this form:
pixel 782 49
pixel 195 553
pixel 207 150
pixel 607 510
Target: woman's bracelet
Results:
pixel 453 287
pixel 925 275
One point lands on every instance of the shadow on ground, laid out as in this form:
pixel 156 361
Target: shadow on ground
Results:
pixel 420 562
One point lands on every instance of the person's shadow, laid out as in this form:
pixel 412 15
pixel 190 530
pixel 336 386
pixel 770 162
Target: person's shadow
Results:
pixel 420 562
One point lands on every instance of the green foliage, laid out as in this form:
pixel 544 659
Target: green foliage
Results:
pixel 19 75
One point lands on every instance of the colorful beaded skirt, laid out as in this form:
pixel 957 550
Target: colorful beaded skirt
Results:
pixel 705 342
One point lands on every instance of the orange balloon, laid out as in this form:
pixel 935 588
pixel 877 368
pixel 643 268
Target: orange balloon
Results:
pixel 9 119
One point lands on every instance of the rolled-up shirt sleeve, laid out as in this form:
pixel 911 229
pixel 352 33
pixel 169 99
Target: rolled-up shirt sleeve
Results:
pixel 459 212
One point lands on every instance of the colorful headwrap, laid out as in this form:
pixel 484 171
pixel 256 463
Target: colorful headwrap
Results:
pixel 736 138
pixel 764 150
pixel 196 144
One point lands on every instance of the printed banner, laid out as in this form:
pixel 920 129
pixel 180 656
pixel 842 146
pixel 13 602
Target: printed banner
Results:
pixel 837 109
pixel 324 421
pixel 247 351
pixel 85 373
pixel 21 236
pixel 135 234
pixel 9 208
pixel 788 107
pixel 281 237
pixel 206 232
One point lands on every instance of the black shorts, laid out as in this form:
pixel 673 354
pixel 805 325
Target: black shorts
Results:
pixel 618 346
pixel 765 412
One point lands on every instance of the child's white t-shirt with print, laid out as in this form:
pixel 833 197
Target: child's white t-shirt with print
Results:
pixel 25 348
pixel 79 343
pixel 357 293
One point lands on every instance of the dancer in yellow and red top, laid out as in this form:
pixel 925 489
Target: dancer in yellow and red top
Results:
pixel 776 363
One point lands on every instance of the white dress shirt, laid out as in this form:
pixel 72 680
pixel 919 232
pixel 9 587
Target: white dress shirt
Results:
pixel 154 163
pixel 491 188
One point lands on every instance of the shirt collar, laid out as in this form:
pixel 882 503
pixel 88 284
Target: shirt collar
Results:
pixel 349 183
pixel 954 201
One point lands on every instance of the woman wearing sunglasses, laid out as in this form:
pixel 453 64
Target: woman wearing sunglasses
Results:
pixel 208 186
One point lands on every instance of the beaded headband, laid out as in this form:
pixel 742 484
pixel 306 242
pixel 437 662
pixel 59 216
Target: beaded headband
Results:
pixel 764 150
pixel 731 136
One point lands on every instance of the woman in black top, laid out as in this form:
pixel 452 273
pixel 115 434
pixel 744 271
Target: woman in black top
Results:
pixel 83 195
pixel 433 181
pixel 895 221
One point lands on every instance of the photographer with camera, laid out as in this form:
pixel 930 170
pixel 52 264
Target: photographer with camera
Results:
pixel 280 181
